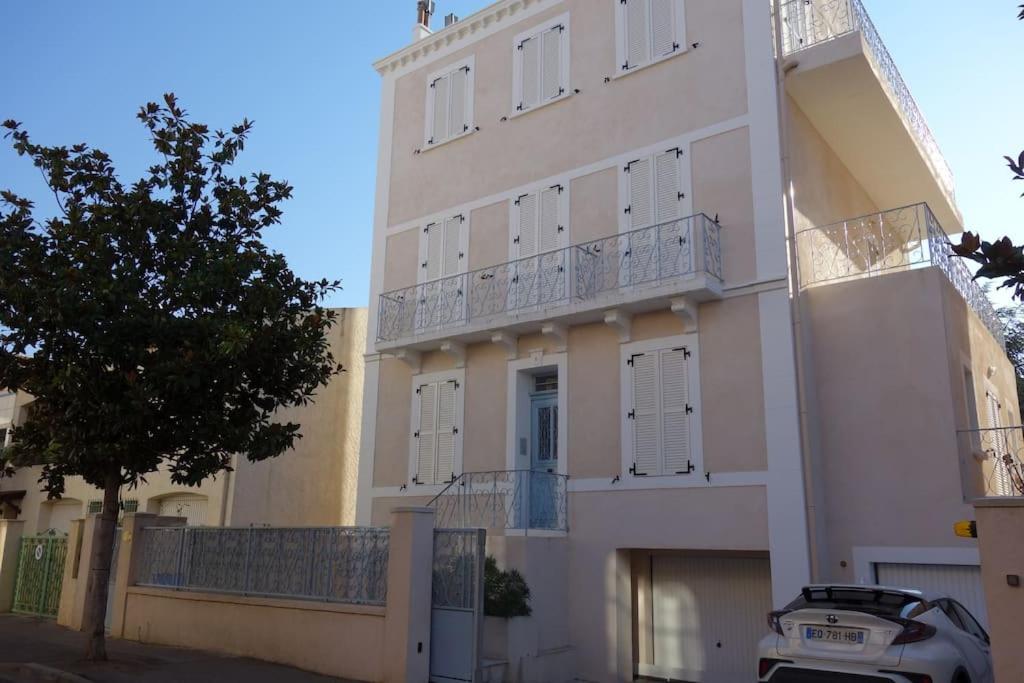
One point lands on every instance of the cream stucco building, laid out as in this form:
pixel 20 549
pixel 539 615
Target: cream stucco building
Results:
pixel 314 484
pixel 645 305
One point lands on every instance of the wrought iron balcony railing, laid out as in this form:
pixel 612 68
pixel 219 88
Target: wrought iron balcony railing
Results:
pixel 899 239
pixel 806 23
pixel 649 256
pixel 998 454
pixel 508 499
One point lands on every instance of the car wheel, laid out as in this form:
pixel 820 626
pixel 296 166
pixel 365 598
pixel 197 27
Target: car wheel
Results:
pixel 961 677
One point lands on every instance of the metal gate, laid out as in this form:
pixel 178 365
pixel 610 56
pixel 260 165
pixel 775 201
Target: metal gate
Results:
pixel 456 615
pixel 40 572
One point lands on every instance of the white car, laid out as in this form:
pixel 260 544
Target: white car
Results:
pixel 873 634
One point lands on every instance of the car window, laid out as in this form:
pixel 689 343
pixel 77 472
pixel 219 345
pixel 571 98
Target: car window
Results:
pixel 949 611
pixel 971 624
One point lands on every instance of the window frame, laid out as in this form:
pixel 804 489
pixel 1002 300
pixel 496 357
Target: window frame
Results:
pixel 622 49
pixel 457 375
pixel 428 112
pixel 565 73
pixel 691 342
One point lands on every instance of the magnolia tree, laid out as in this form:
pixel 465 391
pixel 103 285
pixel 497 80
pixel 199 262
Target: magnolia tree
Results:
pixel 150 322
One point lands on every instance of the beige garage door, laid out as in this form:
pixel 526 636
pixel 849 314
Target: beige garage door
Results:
pixel 192 508
pixel 709 614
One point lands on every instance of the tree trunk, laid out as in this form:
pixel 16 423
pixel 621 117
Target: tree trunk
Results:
pixel 98 584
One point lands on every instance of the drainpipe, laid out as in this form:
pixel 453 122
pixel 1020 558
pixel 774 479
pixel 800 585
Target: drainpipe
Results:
pixel 799 351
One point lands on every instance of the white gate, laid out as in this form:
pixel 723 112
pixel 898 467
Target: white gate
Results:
pixel 457 605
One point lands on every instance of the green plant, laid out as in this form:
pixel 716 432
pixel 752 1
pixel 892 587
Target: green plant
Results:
pixel 505 592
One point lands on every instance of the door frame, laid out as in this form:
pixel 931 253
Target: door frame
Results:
pixel 518 404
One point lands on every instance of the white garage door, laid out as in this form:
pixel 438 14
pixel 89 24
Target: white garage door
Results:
pixel 61 515
pixel 960 582
pixel 709 614
pixel 192 508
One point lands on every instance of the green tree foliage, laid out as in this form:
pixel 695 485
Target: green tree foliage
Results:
pixel 149 321
pixel 505 592
pixel 1013 330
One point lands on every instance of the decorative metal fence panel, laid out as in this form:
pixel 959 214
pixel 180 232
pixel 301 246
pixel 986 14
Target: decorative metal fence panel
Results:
pixel 457 597
pixel 508 499
pixel 806 23
pixel 330 564
pixel 998 458
pixel 40 573
pixel 578 273
pixel 899 239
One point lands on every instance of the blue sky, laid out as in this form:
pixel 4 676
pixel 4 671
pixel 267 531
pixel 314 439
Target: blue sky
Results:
pixel 78 71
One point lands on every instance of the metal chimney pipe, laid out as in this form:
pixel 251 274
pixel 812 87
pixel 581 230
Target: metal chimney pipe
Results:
pixel 424 8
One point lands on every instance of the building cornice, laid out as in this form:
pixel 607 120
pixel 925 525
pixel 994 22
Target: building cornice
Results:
pixel 496 13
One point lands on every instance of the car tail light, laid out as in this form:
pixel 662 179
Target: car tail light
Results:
pixel 774 622
pixel 913 631
pixel 766 665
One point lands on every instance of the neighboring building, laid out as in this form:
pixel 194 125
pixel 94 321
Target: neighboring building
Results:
pixel 314 484
pixel 593 333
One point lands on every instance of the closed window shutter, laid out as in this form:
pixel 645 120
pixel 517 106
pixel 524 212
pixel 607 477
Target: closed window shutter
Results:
pixel 663 27
pixel 426 436
pixel 551 67
pixel 641 211
pixel 531 57
pixel 441 113
pixel 668 193
pixel 527 225
pixel 452 246
pixel 458 118
pixel 1001 483
pixel 549 201
pixel 638 38
pixel 446 431
pixel 433 243
pixel 675 418
pixel 645 415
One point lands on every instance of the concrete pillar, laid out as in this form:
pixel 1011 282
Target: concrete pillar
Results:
pixel 10 544
pixel 69 581
pixel 75 613
pixel 410 572
pixel 1000 528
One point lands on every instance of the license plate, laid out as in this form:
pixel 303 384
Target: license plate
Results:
pixel 831 634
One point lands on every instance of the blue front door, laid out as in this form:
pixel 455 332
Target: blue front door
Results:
pixel 543 476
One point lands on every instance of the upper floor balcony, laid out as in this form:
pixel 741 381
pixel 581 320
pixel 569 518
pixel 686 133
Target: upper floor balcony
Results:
pixel 841 75
pixel 633 271
pixel 885 242
pixel 993 461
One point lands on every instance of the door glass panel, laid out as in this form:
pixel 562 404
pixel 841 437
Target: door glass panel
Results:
pixel 544 428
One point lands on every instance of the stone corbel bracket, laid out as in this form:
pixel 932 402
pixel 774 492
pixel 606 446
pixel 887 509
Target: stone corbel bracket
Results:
pixel 687 312
pixel 414 359
pixel 456 350
pixel 622 322
pixel 558 332
pixel 509 341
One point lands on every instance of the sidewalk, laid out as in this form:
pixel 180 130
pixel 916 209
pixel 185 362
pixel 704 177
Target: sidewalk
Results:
pixel 25 640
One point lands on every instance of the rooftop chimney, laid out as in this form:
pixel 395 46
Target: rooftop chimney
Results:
pixel 450 19
pixel 424 8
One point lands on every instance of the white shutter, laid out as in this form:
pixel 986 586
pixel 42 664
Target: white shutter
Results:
pixel 675 420
pixel 668 194
pixel 459 111
pixel 641 211
pixel 426 435
pixel 452 250
pixel 527 225
pixel 446 431
pixel 433 240
pixel 531 49
pixel 645 414
pixel 663 27
pixel 551 66
pixel 1000 484
pixel 549 204
pixel 441 109
pixel 637 33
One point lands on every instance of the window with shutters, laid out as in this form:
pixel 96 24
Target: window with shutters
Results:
pixel 436 445
pixel 661 415
pixel 540 65
pixel 1000 482
pixel 539 223
pixel 648 31
pixel 444 244
pixel 449 112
